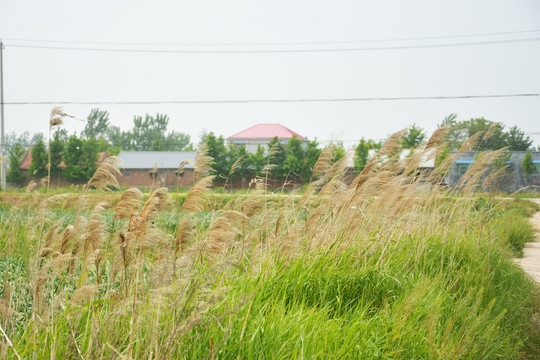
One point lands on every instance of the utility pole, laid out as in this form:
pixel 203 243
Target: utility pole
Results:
pixel 2 140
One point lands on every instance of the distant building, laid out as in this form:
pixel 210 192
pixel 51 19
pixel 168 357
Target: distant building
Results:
pixel 514 180
pixel 56 180
pixel 157 168
pixel 27 160
pixel 261 135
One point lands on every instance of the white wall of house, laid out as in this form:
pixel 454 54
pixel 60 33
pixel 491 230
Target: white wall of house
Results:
pixel 252 144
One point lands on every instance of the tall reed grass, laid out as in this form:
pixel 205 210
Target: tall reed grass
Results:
pixel 390 266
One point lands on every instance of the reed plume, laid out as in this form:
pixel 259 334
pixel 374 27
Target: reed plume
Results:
pixel 129 203
pixel 202 163
pixel 31 186
pixel 393 144
pixel 105 174
pixel 324 162
pixel 438 137
pixel 193 201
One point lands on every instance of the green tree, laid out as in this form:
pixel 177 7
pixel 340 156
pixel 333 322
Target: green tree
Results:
pixel 258 160
pixel 516 140
pixel 361 155
pixel 97 124
pixel 89 158
pixel 295 162
pixel 148 134
pixel 40 158
pixel 441 156
pixel 413 137
pixel 461 131
pixel 527 164
pixel 339 151
pixel 119 139
pixel 449 120
pixel 72 158
pixel 15 174
pixel 312 154
pixel 276 156
pixel 243 167
pixel 217 150
pixel 57 149
pixel 80 157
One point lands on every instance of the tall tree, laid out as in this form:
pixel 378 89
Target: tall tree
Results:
pixel 258 160
pixel 97 124
pixel 15 174
pixel 361 155
pixel 491 134
pixel 72 158
pixel 57 149
pixel 413 137
pixel 294 165
pixel 38 166
pixel 276 157
pixel 89 158
pixel 312 154
pixel 527 164
pixel 218 151
pixel 238 155
pixel 148 134
pixel 516 139
pixel 119 138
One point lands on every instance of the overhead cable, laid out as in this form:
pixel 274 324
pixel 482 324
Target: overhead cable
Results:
pixel 327 50
pixel 244 101
pixel 272 43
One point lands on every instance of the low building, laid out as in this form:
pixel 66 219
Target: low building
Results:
pixel 56 180
pixel 514 180
pixel 157 168
pixel 261 135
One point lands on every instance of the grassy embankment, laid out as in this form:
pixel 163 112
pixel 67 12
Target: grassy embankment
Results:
pixel 380 269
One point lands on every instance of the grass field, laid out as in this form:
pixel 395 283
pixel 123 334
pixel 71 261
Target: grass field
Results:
pixel 382 268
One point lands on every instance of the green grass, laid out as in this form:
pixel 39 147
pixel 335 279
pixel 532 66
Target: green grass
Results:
pixel 437 284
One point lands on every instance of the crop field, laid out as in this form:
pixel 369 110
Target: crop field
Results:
pixel 392 266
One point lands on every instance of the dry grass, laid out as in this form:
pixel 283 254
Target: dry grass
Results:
pixel 390 265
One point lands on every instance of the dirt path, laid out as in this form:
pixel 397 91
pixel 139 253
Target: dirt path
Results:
pixel 530 262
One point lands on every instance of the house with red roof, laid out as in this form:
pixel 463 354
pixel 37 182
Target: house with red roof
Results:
pixel 56 180
pixel 261 135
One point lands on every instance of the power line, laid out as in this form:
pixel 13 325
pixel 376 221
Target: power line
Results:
pixel 273 43
pixel 170 51
pixel 245 101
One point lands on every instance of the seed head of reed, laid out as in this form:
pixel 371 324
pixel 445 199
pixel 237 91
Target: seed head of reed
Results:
pixel 129 203
pixel 181 167
pixel 194 198
pixel 393 144
pixel 438 137
pixel 202 162
pixel 105 174
pixel 57 116
pixel 184 234
pixel 324 162
pixel 83 294
pixel 471 143
pixel 31 186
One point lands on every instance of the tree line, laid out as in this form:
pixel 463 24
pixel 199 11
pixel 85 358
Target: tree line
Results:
pixel 494 135
pixel 74 157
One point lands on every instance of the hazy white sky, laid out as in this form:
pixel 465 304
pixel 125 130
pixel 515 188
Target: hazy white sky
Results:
pixel 32 74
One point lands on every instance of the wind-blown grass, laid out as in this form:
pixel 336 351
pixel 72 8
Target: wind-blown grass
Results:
pixel 384 268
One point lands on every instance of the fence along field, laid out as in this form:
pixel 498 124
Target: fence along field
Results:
pixel 382 268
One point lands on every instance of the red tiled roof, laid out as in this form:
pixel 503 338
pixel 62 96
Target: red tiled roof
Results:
pixel 25 164
pixel 266 131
